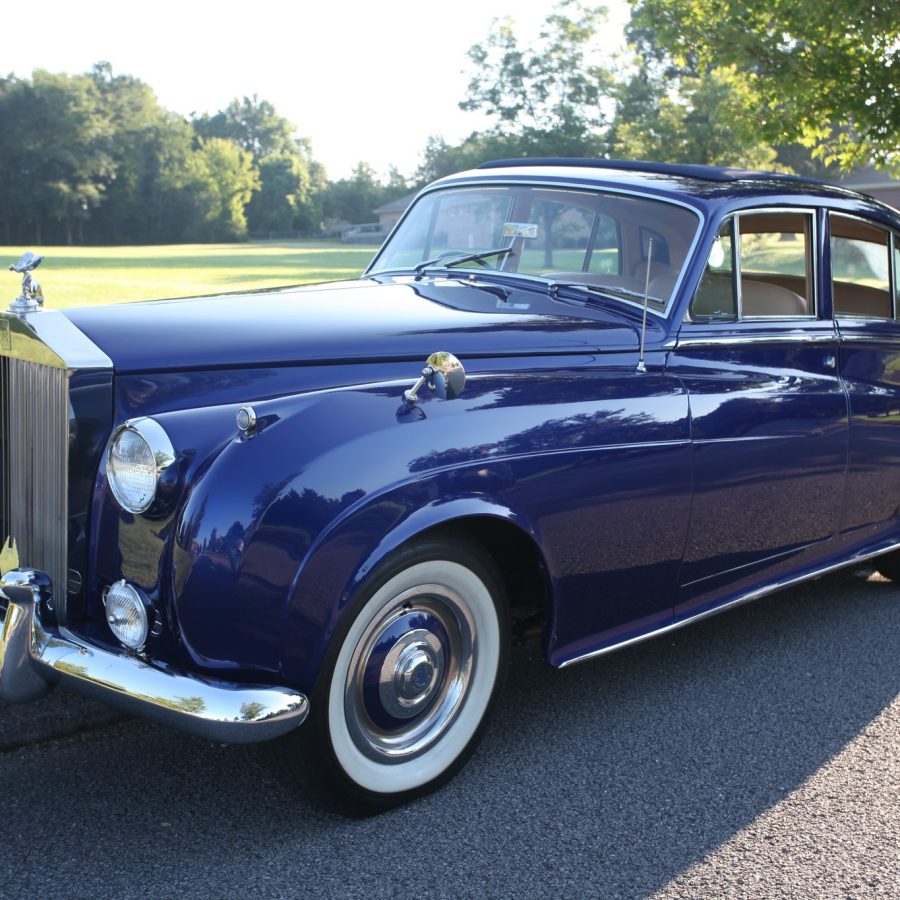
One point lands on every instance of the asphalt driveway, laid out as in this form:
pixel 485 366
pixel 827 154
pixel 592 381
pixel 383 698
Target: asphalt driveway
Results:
pixel 756 755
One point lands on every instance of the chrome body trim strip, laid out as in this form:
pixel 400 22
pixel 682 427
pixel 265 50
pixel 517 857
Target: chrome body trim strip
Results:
pixel 742 340
pixel 33 658
pixel 855 337
pixel 748 597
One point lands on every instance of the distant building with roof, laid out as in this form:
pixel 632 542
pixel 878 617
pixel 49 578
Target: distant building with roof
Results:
pixel 877 184
pixel 390 213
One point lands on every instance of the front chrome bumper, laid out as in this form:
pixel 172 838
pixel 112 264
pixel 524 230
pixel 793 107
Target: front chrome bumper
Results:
pixel 33 659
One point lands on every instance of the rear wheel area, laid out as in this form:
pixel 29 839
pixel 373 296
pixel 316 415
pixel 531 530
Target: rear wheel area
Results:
pixel 412 676
pixel 889 565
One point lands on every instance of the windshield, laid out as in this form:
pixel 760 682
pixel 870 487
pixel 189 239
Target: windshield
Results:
pixel 601 240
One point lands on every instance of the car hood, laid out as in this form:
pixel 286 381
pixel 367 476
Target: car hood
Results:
pixel 357 320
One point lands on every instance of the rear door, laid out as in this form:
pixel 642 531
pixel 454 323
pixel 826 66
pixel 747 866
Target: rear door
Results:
pixel 864 258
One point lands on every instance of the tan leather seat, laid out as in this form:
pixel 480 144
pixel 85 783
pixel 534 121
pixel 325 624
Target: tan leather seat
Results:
pixel 759 298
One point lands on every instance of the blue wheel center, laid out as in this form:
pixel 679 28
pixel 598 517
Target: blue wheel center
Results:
pixel 406 670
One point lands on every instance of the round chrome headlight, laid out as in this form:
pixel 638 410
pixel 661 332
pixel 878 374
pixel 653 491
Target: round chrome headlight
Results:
pixel 138 453
pixel 126 614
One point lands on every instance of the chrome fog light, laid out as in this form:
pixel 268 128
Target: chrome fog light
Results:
pixel 138 453
pixel 126 615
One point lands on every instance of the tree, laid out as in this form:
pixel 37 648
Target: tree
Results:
pixel 284 187
pixel 691 120
pixel 824 75
pixel 147 144
pixel 253 124
pixel 289 179
pixel 220 178
pixel 355 199
pixel 53 147
pixel 551 91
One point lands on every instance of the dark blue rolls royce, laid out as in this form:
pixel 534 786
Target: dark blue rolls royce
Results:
pixel 593 400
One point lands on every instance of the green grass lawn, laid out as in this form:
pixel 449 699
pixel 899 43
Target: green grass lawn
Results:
pixel 87 276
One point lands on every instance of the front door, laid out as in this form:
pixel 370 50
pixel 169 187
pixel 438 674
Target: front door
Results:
pixel 768 411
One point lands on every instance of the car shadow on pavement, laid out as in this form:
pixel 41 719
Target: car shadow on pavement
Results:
pixel 606 779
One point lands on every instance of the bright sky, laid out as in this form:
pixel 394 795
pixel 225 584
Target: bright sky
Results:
pixel 363 81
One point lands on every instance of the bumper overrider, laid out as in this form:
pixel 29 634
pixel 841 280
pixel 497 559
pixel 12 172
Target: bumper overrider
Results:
pixel 33 659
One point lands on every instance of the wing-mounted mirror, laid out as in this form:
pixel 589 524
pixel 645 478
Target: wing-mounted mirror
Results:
pixel 443 373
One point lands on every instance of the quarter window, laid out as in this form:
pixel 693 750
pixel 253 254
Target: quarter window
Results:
pixel 716 298
pixel 860 269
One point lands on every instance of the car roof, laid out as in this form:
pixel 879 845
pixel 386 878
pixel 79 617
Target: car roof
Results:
pixel 705 183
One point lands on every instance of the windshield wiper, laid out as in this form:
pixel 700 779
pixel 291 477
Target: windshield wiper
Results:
pixel 609 291
pixel 459 260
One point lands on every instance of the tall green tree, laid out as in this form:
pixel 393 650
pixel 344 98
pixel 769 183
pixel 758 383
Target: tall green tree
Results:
pixel 220 178
pixel 55 158
pixel 290 181
pixel 253 124
pixel 551 92
pixel 147 144
pixel 691 119
pixel 824 75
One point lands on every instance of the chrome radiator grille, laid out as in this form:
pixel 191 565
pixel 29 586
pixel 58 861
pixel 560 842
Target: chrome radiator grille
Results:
pixel 34 446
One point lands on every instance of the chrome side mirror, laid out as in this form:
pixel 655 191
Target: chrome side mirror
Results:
pixel 444 374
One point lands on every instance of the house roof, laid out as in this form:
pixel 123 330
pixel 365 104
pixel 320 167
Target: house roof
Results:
pixel 870 179
pixel 398 205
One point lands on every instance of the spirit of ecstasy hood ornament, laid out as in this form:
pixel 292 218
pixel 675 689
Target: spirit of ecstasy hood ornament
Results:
pixel 32 297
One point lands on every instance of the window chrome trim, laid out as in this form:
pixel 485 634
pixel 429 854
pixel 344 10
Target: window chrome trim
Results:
pixel 742 340
pixel 564 185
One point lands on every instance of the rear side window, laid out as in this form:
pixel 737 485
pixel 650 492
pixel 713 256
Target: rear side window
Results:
pixel 860 269
pixel 760 266
pixel 605 249
pixel 896 272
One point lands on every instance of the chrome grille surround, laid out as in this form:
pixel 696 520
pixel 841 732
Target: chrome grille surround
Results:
pixel 39 352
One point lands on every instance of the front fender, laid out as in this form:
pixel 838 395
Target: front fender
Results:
pixel 261 507
pixel 280 528
pixel 340 562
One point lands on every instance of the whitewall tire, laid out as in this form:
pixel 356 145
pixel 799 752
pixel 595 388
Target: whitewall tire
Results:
pixel 413 674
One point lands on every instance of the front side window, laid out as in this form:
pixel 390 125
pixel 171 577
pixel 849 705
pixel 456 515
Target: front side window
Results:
pixel 760 266
pixel 860 269
pixel 577 236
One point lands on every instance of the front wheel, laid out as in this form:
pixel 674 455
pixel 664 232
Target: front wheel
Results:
pixel 414 673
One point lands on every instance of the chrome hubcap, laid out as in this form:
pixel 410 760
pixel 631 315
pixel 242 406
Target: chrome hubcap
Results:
pixel 409 674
